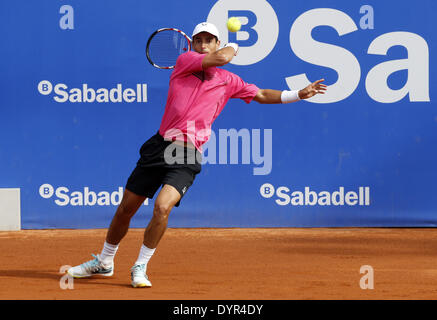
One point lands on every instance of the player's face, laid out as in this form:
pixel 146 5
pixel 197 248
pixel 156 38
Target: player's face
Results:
pixel 205 42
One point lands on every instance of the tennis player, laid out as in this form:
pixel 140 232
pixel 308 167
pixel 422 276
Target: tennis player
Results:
pixel 198 92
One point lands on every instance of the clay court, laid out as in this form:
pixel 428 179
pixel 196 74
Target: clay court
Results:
pixel 223 264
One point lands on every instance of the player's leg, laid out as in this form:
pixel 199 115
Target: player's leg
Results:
pixel 176 182
pixel 143 182
pixel 120 225
pixel 167 198
pixel 103 264
pixel 121 220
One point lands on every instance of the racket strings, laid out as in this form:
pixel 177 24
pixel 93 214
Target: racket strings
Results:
pixel 166 46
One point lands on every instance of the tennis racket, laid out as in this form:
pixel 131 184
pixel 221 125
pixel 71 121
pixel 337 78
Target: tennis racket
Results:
pixel 164 47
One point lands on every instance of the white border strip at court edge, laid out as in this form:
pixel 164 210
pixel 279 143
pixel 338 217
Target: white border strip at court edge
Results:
pixel 10 209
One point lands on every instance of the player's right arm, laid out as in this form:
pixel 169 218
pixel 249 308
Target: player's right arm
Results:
pixel 220 57
pixel 270 96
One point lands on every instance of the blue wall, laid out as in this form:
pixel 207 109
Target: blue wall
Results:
pixel 376 129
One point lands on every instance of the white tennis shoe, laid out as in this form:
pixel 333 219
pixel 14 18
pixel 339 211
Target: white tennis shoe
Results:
pixel 139 277
pixel 91 268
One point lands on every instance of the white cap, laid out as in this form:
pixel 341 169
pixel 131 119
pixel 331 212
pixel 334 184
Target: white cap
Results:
pixel 206 27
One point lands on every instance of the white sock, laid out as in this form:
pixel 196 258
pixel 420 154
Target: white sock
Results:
pixel 108 253
pixel 145 255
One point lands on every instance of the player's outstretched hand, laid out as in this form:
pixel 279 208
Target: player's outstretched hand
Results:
pixel 313 89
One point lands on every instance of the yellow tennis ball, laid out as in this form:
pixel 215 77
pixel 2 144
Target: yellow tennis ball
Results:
pixel 233 24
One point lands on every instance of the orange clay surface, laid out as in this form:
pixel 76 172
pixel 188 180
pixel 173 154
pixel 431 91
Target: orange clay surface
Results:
pixel 216 264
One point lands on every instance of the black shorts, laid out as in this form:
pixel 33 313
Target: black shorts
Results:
pixel 163 162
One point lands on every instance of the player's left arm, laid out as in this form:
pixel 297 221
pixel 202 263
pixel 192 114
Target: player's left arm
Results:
pixel 270 96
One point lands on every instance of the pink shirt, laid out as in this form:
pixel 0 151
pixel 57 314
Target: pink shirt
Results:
pixel 196 97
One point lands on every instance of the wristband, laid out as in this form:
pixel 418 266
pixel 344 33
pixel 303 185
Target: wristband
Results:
pixel 290 96
pixel 233 45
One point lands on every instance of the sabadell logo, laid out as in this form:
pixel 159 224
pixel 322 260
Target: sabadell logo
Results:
pixel 86 197
pixel 86 94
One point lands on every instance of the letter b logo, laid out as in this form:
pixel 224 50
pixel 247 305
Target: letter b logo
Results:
pixel 259 31
pixel 267 190
pixel 45 87
pixel 247 36
pixel 46 191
